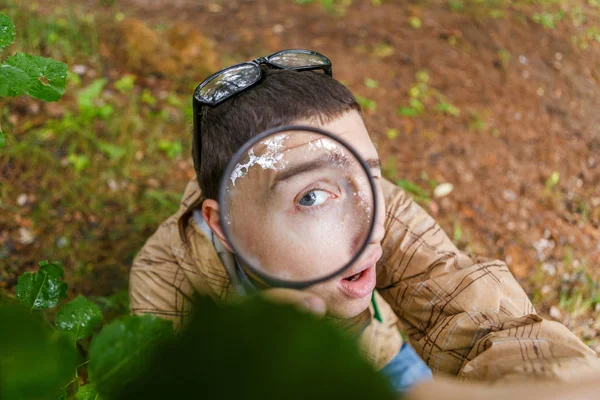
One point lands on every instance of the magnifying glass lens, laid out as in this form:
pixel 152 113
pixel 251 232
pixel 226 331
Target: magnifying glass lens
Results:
pixel 297 206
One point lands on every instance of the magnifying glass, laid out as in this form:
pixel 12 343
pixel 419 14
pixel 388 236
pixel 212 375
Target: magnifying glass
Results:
pixel 297 205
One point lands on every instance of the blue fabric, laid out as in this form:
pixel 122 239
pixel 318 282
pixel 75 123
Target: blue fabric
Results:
pixel 406 369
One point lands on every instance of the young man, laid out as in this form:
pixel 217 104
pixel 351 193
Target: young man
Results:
pixel 465 316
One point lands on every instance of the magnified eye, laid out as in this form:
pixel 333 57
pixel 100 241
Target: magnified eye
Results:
pixel 314 198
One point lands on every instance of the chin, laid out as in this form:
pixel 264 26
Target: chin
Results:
pixel 344 308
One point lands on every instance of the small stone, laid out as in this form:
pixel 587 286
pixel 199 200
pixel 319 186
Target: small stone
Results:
pixel 509 195
pixel 80 69
pixel 26 236
pixel 555 313
pixel 113 185
pixel 443 189
pixel 277 29
pixel 549 269
pixel 22 200
pixel 546 289
pixel 523 59
pixel 62 241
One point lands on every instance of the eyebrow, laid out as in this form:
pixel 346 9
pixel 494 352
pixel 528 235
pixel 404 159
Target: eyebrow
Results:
pixel 321 162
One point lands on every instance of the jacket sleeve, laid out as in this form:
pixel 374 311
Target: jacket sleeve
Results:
pixel 467 316
pixel 157 283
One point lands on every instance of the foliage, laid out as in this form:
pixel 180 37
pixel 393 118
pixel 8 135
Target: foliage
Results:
pixel 421 94
pixel 37 361
pixel 272 351
pixel 42 289
pixel 139 357
pixel 40 77
pixel 79 316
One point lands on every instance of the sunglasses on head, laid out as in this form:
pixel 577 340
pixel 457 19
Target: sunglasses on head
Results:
pixel 232 80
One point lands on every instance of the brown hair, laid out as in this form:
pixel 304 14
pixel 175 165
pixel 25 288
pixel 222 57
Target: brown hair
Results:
pixel 280 98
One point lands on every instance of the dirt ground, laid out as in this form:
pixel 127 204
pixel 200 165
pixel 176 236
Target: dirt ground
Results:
pixel 520 144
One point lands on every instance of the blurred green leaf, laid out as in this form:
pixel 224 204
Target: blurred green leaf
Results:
pixel 392 133
pixel 79 161
pixel 413 189
pixel 112 151
pixel 7 31
pixel 171 149
pixel 366 103
pixel 272 350
pixel 447 108
pixel 148 98
pixel 553 180
pixel 457 5
pixel 371 83
pixel 36 361
pixel 119 352
pixel 86 96
pixel 407 112
pixel 2 140
pixel 45 78
pixel 126 83
pixel 42 289
pixel 79 316
pixel 415 22
pixel 86 392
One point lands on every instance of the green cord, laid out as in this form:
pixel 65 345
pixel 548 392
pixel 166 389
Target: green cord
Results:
pixel 375 308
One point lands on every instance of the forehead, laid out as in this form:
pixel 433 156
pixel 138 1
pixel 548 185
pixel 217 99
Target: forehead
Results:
pixel 351 128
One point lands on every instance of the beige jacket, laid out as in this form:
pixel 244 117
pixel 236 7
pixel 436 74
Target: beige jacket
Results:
pixel 465 316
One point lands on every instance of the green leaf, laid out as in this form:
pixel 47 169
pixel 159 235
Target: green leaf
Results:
pixel 392 133
pixel 79 161
pixel 413 188
pixel 79 316
pixel 86 97
pixel 122 348
pixel 112 151
pixel 415 22
pixel 272 350
pixel 13 81
pixel 126 83
pixel 407 112
pixel 371 83
pixel 148 98
pixel 36 361
pixel 7 31
pixel 42 289
pixel 2 140
pixel 447 108
pixel 47 77
pixel 86 392
pixel 366 103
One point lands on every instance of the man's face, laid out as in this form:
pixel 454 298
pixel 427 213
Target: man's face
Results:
pixel 301 208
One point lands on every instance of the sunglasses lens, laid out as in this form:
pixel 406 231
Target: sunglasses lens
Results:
pixel 228 82
pixel 291 59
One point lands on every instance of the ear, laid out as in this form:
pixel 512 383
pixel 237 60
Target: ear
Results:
pixel 210 212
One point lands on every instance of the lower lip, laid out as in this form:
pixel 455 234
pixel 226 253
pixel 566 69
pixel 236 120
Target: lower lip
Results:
pixel 361 287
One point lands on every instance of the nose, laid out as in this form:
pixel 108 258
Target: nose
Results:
pixel 379 228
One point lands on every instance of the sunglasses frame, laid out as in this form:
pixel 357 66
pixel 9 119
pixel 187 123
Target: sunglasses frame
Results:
pixel 198 102
pixel 256 63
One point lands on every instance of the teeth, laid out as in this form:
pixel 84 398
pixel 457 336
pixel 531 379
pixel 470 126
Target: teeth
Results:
pixel 355 277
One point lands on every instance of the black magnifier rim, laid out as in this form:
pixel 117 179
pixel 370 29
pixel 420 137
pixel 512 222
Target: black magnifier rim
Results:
pixel 268 279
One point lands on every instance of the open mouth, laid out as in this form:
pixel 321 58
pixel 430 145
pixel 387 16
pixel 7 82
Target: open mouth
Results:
pixel 354 277
pixel 361 283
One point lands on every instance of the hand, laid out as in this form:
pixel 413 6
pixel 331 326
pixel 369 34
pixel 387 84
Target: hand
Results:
pixel 304 301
